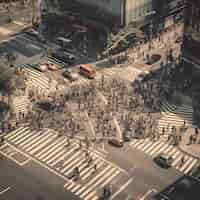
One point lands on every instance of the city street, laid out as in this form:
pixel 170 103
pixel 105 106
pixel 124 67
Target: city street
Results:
pixel 29 182
pixel 94 102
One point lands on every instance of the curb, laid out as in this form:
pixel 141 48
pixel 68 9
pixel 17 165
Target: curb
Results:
pixel 189 154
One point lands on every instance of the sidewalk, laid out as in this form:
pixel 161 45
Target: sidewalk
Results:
pixel 190 149
pixel 8 30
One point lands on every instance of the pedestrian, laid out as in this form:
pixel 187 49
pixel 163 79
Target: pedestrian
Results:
pixel 68 142
pixel 80 144
pixel 2 140
pixel 95 167
pixel 90 160
pixel 163 131
pixel 196 131
pixel 182 161
pixel 184 124
pixel 190 140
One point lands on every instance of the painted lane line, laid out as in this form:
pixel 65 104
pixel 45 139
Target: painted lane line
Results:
pixel 25 162
pixel 5 190
pixel 121 188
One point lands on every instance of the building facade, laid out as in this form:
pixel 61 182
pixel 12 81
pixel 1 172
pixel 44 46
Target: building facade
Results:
pixel 121 12
pixel 192 28
pixel 191 51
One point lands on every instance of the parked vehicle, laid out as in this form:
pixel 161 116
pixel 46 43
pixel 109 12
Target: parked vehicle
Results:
pixel 36 35
pixel 64 56
pixel 164 160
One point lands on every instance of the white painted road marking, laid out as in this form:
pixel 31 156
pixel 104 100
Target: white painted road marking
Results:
pixel 5 190
pixel 147 194
pixel 121 188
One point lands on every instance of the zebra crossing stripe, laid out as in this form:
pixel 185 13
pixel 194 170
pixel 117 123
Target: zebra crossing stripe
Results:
pixel 152 147
pixel 48 154
pixel 164 147
pixel 16 133
pixel 31 138
pixel 27 134
pixel 43 144
pixel 85 174
pixel 75 162
pixel 71 185
pixel 110 178
pixel 97 181
pixel 37 140
pixel 188 162
pixel 142 145
pixel 138 143
pixel 171 150
pixel 58 156
pixel 178 159
pixel 62 157
pixel 147 146
pixel 53 152
pixel 76 188
pixel 156 149
pixel 69 161
pixel 20 136
pixel 191 166
pixel 92 194
pixel 48 147
pixel 84 164
pixel 93 180
pixel 100 180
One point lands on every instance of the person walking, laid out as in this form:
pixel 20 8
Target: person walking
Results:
pixel 182 161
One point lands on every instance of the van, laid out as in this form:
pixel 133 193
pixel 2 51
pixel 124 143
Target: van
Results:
pixel 164 160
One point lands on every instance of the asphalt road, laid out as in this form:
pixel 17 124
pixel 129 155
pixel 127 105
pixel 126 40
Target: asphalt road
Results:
pixel 145 173
pixel 31 182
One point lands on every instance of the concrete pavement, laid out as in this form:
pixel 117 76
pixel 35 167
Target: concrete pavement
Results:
pixel 8 30
pixel 193 149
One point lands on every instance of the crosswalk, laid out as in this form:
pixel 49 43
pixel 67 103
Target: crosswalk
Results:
pixel 20 104
pixel 154 148
pixel 38 80
pixel 173 115
pixel 51 150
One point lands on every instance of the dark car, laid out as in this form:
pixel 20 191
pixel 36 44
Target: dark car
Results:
pixel 127 136
pixel 164 160
pixel 36 35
